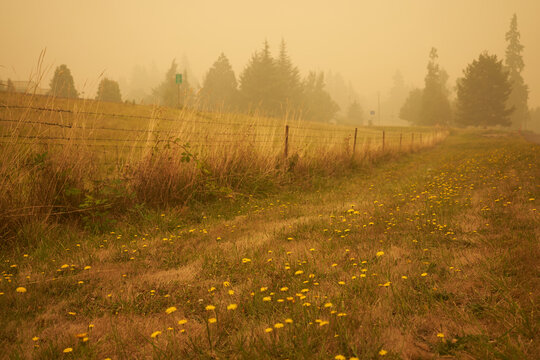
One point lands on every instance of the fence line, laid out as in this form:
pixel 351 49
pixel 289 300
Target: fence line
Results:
pixel 249 135
pixel 303 127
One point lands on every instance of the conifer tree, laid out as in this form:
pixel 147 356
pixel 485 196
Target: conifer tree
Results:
pixel 411 110
pixel 219 86
pixel 258 86
pixel 435 104
pixel 62 83
pixel 109 90
pixel 317 104
pixel 483 93
pixel 514 62
pixel 288 79
pixel 355 114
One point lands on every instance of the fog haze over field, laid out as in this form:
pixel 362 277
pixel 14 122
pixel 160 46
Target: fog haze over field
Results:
pixel 364 41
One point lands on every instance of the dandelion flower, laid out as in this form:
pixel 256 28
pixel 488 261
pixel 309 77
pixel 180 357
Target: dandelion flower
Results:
pixel 299 272
pixel 232 307
pixel 440 335
pixel 284 288
pixel 267 298
pixel 20 289
pixel 210 307
pixel 35 338
pixel 340 357
pixel 289 321
pixel 423 274
pixel 231 292
pixel 268 330
pixel 212 320
pixel 328 305
pixel 68 350
pixel 155 334
pixel 182 322
pixel 246 260
pixel 379 253
pixel 278 325
pixel 383 352
pixel 170 310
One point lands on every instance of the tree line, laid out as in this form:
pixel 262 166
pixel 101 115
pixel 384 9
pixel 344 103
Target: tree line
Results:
pixel 268 84
pixel 490 93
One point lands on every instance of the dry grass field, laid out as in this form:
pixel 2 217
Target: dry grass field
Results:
pixel 417 255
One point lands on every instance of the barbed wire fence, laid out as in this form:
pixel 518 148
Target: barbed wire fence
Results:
pixel 30 130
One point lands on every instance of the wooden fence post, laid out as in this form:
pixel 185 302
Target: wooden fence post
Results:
pixel 286 152
pixel 400 139
pixel 383 140
pixel 354 142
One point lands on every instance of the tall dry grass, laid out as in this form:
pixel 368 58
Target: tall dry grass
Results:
pixel 86 159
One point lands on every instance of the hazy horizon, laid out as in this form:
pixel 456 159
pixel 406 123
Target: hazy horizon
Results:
pixel 365 42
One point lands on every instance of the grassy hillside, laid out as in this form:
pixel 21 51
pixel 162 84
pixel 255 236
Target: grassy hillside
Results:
pixel 431 255
pixel 84 162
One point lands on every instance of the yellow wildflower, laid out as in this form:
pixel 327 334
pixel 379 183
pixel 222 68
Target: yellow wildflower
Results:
pixel 170 310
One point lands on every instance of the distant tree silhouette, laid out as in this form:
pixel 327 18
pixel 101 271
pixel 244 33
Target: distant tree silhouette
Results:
pixel 514 62
pixel 169 93
pixel 220 86
pixel 355 114
pixel 317 104
pixel 435 104
pixel 412 108
pixel 10 87
pixel 289 83
pixel 109 90
pixel 483 92
pixel 62 84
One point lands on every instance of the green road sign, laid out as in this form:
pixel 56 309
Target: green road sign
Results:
pixel 178 78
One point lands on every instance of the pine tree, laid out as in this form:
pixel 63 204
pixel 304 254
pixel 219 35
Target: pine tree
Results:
pixel 514 62
pixel 62 84
pixel 435 104
pixel 109 90
pixel 396 97
pixel 219 86
pixel 412 107
pixel 355 114
pixel 258 86
pixel 288 79
pixel 317 104
pixel 483 93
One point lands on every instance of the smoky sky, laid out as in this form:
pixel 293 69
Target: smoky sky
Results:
pixel 365 41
